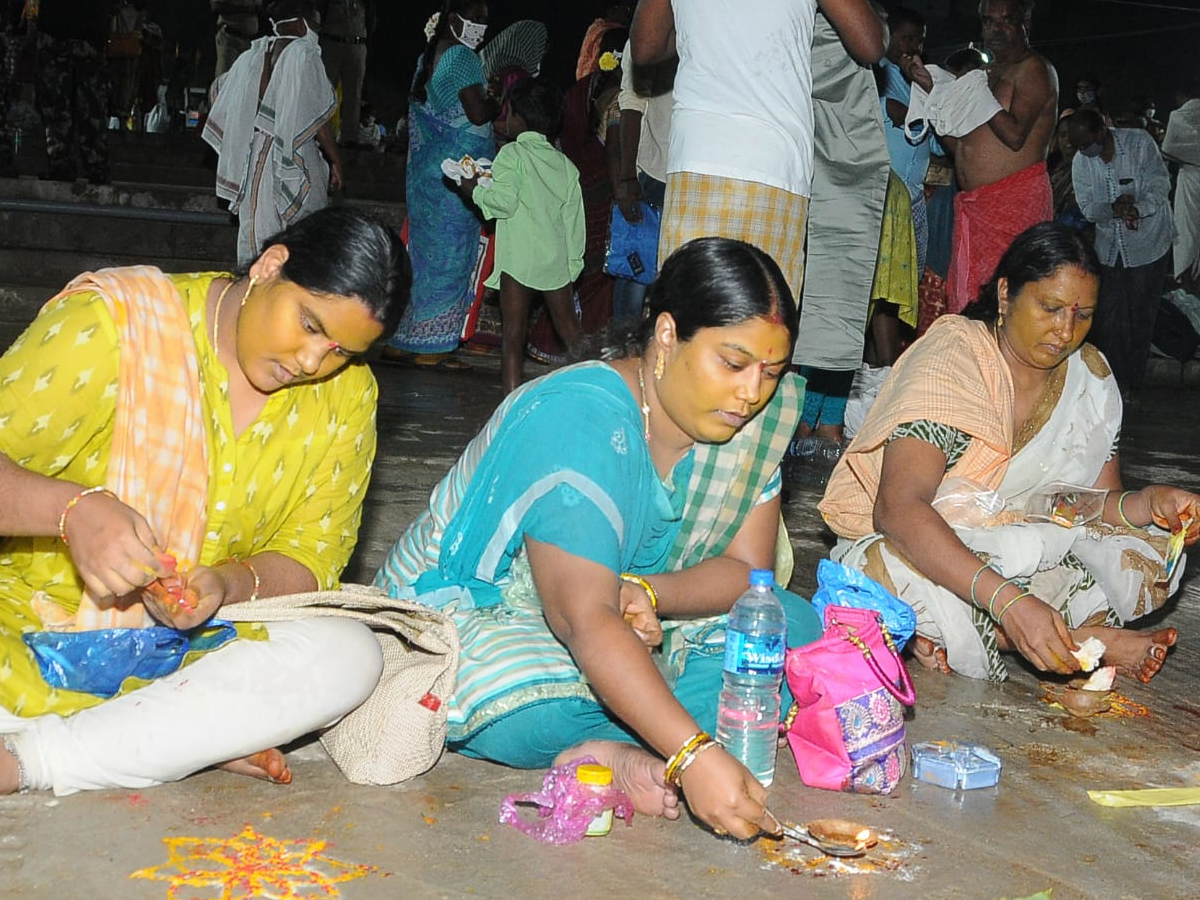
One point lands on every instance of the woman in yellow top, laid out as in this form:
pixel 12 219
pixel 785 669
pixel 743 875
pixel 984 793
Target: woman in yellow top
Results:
pixel 205 437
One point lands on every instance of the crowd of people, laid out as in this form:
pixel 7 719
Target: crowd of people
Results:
pixel 82 68
pixel 619 502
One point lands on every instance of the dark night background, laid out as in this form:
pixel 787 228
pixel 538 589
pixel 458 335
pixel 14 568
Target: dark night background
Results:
pixel 1138 48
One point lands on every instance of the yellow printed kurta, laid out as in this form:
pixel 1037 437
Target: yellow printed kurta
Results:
pixel 293 482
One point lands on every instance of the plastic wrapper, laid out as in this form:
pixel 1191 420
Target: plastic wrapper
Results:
pixel 1065 504
pixel 967 503
pixel 467 167
pixel 839 585
pixel 564 807
pixel 98 662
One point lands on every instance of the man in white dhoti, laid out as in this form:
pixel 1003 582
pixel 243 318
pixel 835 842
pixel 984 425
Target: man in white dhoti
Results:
pixel 269 123
pixel 1182 144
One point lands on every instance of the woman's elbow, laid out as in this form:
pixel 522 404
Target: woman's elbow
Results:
pixel 883 516
pixel 477 116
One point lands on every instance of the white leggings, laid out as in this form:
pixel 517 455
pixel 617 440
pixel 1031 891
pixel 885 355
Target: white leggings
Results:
pixel 246 697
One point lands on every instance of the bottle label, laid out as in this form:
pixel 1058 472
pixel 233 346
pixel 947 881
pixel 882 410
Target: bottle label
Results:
pixel 748 655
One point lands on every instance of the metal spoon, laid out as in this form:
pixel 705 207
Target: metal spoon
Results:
pixel 829 848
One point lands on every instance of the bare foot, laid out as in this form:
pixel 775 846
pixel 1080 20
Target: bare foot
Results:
pixel 269 765
pixel 930 655
pixel 10 772
pixel 635 771
pixel 1139 654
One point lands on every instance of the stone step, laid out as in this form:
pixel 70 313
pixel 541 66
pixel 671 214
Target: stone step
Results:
pixel 183 160
pixel 1167 372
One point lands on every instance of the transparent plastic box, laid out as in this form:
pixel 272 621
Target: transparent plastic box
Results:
pixel 955 766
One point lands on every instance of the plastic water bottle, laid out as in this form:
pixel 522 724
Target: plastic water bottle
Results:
pixel 748 708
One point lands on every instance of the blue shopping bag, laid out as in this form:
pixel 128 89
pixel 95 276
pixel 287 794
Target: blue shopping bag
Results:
pixel 633 246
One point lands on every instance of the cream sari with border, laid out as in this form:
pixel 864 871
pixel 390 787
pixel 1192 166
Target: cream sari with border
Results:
pixel 1093 574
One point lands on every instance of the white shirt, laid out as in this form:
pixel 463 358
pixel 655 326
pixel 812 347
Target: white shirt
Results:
pixel 649 91
pixel 1136 168
pixel 743 91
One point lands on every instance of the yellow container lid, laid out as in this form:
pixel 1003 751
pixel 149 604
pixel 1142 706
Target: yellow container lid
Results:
pixel 589 773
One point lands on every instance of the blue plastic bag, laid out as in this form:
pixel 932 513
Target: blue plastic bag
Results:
pixel 98 662
pixel 838 585
pixel 633 246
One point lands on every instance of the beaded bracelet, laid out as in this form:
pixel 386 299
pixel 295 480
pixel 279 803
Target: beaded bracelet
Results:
pixel 975 581
pixel 62 519
pixel 996 593
pixel 1000 616
pixel 688 748
pixel 1121 508
pixel 644 585
pixel 254 572
pixel 677 776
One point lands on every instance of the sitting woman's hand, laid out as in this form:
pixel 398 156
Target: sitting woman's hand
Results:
pixel 722 793
pixel 1039 633
pixel 639 613
pixel 1173 508
pixel 184 601
pixel 112 545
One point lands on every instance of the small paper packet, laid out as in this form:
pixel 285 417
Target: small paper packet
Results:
pixel 1175 550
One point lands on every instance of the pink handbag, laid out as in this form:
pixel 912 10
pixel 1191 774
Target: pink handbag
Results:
pixel 850 688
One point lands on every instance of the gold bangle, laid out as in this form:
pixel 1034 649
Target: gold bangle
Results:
pixel 975 581
pixel 644 585
pixel 691 758
pixel 62 519
pixel 1004 609
pixel 254 572
pixel 1121 508
pixel 996 593
pixel 671 772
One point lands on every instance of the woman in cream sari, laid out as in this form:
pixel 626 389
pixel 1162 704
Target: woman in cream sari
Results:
pixel 979 416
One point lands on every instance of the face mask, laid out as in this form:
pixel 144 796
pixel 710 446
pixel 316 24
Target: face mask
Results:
pixel 1092 150
pixel 1086 96
pixel 275 25
pixel 1150 112
pixel 472 33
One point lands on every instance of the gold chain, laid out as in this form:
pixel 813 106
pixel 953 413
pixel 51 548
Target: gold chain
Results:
pixel 217 312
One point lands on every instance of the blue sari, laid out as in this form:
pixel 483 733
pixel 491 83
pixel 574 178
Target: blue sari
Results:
pixel 563 461
pixel 443 230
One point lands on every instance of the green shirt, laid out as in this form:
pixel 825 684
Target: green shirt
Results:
pixel 537 203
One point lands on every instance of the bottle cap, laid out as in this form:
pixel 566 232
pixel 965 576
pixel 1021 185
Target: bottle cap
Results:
pixel 760 577
pixel 593 774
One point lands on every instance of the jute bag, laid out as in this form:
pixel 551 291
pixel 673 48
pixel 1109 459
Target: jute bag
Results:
pixel 400 730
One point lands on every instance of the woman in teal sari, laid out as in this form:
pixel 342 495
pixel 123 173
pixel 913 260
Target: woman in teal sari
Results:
pixel 613 506
pixel 450 114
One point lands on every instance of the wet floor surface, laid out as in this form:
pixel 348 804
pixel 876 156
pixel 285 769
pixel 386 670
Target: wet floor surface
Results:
pixel 437 835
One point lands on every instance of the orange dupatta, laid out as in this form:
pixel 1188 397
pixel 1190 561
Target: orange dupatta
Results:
pixel 158 461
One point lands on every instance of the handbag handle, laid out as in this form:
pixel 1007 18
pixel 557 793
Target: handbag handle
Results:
pixel 905 693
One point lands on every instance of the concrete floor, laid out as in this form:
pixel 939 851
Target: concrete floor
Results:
pixel 438 836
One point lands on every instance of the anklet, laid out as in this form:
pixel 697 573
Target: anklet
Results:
pixel 22 775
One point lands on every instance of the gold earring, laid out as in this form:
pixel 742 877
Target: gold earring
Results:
pixel 660 366
pixel 249 288
pixel 1000 321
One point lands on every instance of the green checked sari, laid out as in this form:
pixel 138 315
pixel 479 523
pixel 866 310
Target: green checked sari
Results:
pixel 563 461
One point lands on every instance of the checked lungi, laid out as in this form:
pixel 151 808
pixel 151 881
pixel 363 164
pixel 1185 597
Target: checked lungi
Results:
pixel 770 218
